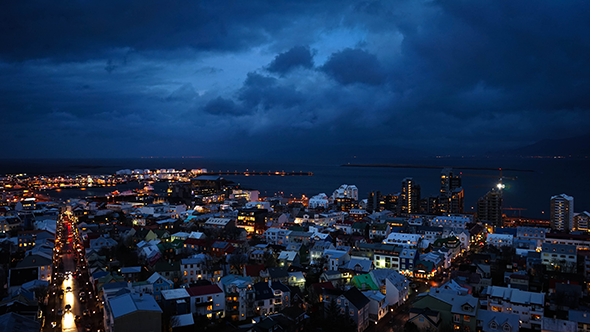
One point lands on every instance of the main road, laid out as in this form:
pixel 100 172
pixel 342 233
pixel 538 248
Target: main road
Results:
pixel 70 295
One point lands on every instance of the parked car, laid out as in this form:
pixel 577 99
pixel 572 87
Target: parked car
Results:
pixel 68 289
pixel 60 312
pixel 68 307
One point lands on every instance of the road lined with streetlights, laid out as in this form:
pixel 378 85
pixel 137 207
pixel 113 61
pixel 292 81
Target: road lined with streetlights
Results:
pixel 71 291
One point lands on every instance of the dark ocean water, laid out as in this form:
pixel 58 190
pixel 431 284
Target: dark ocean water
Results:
pixel 532 190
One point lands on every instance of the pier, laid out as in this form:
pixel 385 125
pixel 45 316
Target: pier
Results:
pixel 264 173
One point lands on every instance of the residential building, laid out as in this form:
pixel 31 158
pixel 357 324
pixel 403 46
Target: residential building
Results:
pixel 378 305
pixel 562 213
pixel 528 305
pixel 132 312
pixel 536 234
pixel 404 239
pixel 451 221
pixel 320 200
pixel 410 196
pixel 499 240
pixel 195 268
pixel 239 297
pixel 450 181
pixel 346 191
pixel 458 310
pixel 425 319
pixel 494 321
pixel 356 305
pixel 159 284
pixel 560 257
pixel 489 207
pixel 207 301
pixel 581 221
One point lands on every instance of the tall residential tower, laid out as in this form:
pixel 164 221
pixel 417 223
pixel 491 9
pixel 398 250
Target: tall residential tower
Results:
pixel 562 213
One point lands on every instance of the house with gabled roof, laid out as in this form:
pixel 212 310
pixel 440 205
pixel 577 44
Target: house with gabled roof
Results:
pixel 159 284
pixel 287 258
pixel 208 300
pixel 529 305
pixel 354 304
pixel 425 318
pixel 132 312
pixel 458 310
pixel 494 321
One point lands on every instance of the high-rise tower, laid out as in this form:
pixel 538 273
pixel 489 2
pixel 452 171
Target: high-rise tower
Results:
pixel 410 196
pixel 489 207
pixel 562 213
pixel 451 193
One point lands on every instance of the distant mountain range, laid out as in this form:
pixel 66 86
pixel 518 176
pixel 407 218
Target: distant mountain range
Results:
pixel 574 147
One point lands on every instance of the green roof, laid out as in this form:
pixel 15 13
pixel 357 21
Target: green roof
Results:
pixel 364 282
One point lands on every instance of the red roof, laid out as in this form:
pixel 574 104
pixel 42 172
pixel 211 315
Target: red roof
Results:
pixel 196 242
pixel 322 285
pixel 254 270
pixel 203 290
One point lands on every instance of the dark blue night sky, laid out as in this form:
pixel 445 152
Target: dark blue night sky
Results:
pixel 119 78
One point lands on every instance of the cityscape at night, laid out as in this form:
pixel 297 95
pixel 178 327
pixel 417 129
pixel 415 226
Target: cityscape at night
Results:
pixel 264 166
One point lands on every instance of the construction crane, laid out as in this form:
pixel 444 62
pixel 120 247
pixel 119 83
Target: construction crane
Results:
pixel 515 209
pixel 500 185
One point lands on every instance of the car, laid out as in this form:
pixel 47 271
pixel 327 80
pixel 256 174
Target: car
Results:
pixel 82 294
pixel 68 289
pixel 68 307
pixel 53 325
pixel 82 299
pixel 86 312
pixel 78 318
pixel 60 312
pixel 88 328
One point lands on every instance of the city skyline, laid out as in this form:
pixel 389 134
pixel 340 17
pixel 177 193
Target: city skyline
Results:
pixel 260 79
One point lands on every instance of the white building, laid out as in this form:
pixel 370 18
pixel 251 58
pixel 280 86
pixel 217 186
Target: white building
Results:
pixel 320 200
pixel 395 285
pixel 195 268
pixel 207 301
pixel 528 305
pixel 499 240
pixel 277 235
pixel 346 191
pixel 532 233
pixel 336 259
pixel 248 195
pixel 404 239
pixel 555 255
pixel 562 213
pixel 377 306
pixel 452 221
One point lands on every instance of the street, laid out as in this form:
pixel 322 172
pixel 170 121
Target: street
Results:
pixel 71 304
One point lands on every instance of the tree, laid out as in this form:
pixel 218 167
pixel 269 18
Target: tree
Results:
pixel 237 261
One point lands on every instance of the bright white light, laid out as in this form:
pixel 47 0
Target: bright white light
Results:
pixel 501 186
pixel 68 321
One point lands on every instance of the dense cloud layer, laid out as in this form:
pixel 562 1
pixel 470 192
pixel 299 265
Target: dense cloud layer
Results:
pixel 208 78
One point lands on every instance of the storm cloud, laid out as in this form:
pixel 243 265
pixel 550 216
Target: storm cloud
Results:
pixel 440 77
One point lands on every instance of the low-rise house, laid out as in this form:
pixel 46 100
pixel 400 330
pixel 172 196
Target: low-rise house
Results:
pixel 393 284
pixel 458 310
pixel 195 268
pixel 336 259
pixel 159 284
pixel 425 319
pixel 169 269
pixel 317 251
pixel 219 223
pixel 378 305
pixel 562 257
pixel 207 301
pixel 130 273
pixel 499 240
pixel 288 258
pixel 297 279
pixel 404 239
pixel 494 321
pixel 132 312
pixel 176 301
pixel 356 305
pixel 379 231
pixel 239 297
